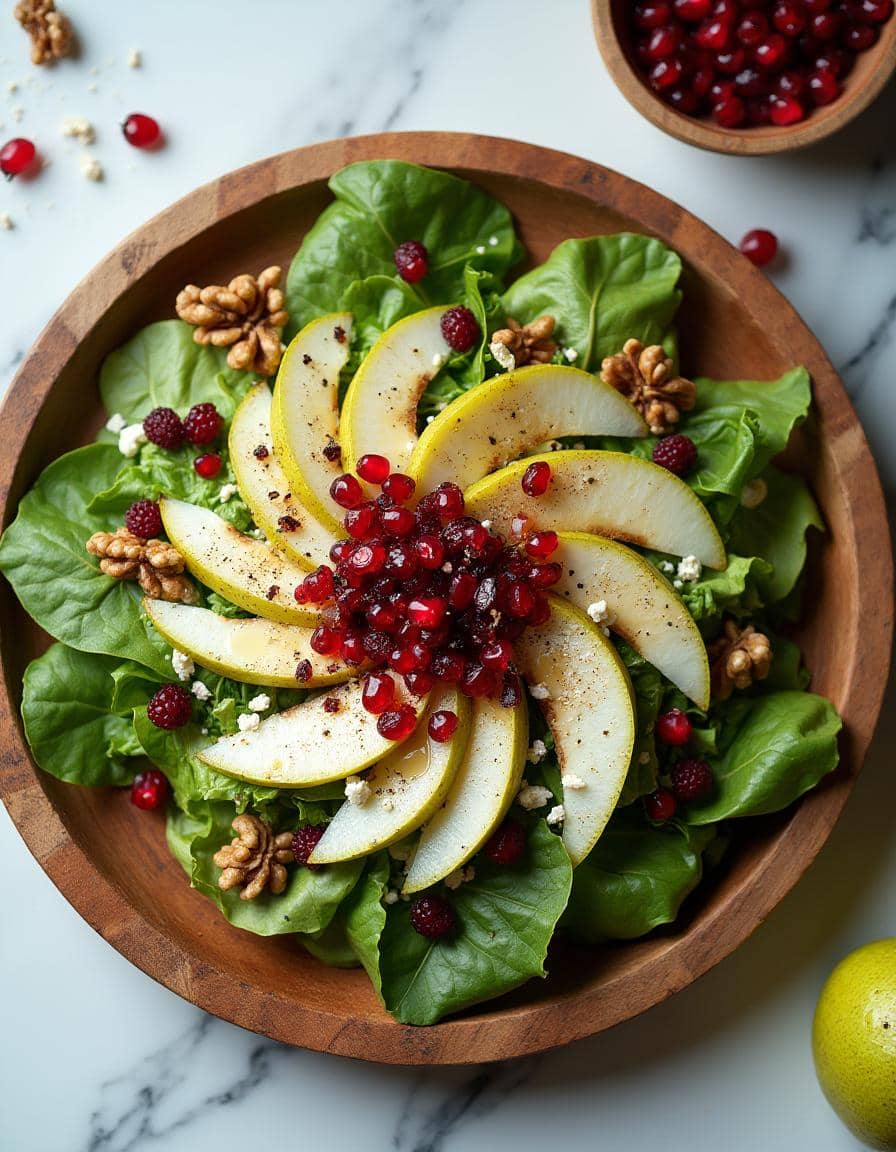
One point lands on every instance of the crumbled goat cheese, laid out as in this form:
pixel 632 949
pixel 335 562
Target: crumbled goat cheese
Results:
pixel 665 566
pixel 689 569
pixel 116 423
pixel 182 664
pixel 493 241
pixel 573 782
pixel 531 796
pixel 502 354
pixel 556 815
pixel 91 169
pixel 644 758
pixel 601 616
pixel 12 86
pixel 204 731
pixel 18 113
pixel 135 60
pixel 480 249
pixel 754 493
pixel 78 128
pixel 387 805
pixel 429 419
pixel 438 360
pixel 570 354
pixel 92 88
pixel 401 852
pixel 391 896
pixel 460 876
pixel 678 585
pixel 486 523
pixel 537 752
pixel 540 692
pixel 5 222
pixel 248 722
pixel 448 567
pixel 200 691
pixel 357 791
pixel 227 490
pixel 260 703
pixel 130 438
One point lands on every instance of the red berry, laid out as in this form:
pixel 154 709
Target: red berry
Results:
pixel 673 727
pixel 203 424
pixel 507 845
pixel 478 680
pixel 397 521
pixel 378 692
pixel 788 18
pixel 653 15
pixel 665 74
pixel 660 805
pixel 542 544
pixel 752 28
pixel 860 37
pixel 497 656
pixel 662 43
pixel 399 487
pixel 433 917
pixel 351 648
pixel 676 453
pixel 208 465
pixel 787 111
pixel 691 780
pixel 730 112
pixel 447 501
pixel 318 586
pixel 460 328
pixel 324 640
pixel 346 491
pixel 536 478
pixel 149 790
pixel 164 427
pixel 826 25
pixel 419 683
pixel 771 52
pixel 823 87
pixel 372 468
pixel 361 523
pixel 397 723
pixel 430 552
pixel 144 519
pixel 16 157
pixel 411 262
pixel 442 725
pixel 714 35
pixel 427 611
pixel 692 10
pixel 141 131
pixel 304 841
pixel 171 707
pixel 759 246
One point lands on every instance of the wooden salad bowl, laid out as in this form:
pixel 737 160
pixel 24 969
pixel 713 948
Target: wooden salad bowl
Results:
pixel 867 79
pixel 110 860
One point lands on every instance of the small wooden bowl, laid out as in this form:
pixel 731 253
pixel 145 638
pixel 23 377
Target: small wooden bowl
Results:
pixel 110 860
pixel 864 83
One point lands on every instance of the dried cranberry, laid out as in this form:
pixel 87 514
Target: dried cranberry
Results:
pixel 411 262
pixel 506 846
pixel 433 917
pixel 673 727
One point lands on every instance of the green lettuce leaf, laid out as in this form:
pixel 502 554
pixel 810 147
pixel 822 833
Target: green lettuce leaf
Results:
pixel 602 290
pixel 506 918
pixel 162 366
pixel 43 556
pixel 74 728
pixel 734 590
pixel 635 878
pixel 776 747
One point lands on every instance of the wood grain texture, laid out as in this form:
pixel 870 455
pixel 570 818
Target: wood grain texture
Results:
pixel 733 322
pixel 872 70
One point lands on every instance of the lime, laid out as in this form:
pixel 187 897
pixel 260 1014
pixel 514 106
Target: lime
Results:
pixel 854 1043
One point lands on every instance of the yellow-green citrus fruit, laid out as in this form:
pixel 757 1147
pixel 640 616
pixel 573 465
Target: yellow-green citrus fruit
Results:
pixel 854 1043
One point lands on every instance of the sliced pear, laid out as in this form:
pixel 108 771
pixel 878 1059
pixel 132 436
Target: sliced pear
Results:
pixel 608 494
pixel 590 710
pixel 483 789
pixel 408 786
pixel 252 651
pixel 511 414
pixel 305 413
pixel 265 488
pixel 308 744
pixel 642 606
pixel 380 410
pixel 243 570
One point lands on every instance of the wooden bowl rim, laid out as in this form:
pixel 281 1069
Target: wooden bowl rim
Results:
pixel 500 1032
pixel 763 141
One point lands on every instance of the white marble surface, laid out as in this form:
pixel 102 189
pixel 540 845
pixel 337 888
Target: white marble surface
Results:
pixel 95 1055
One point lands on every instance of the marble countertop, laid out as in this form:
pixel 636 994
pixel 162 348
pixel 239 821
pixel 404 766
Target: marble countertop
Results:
pixel 98 1058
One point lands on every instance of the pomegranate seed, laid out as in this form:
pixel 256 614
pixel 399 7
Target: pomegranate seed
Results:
pixel 448 501
pixel 462 590
pixel 730 61
pixel 750 82
pixel 346 491
pixel 478 681
pixel 826 25
pixel 833 61
pixel 367 559
pixel 361 523
pixel 823 87
pixel 442 725
pixel 683 100
pixel 860 37
pixel 427 611
pixel 382 617
pixel 412 264
pixel 377 692
pixel 402 660
pixel 751 29
pixel 460 329
pixel 660 805
pixel 665 74
pixel 519 526
pixel 714 35
pixel 372 468
pixel 545 575
pixel 141 131
pixel 419 683
pixel 791 83
pixel 448 667
pixel 401 561
pixel 652 15
pixel 377 646
pixel 814 6
pixel 397 723
pixel 324 640
pixel 430 552
pixel 341 550
pixel 873 11
pixel 351 648
pixel 692 10
pixel 542 544
pixel 507 845
pixel 475 538
pixel 788 18
pixel 673 727
pixel 539 613
pixel 536 478
pixel 397 521
pixel 16 157
pixel 208 465
pixel 511 692
pixel 149 790
pixel 497 656
pixel 730 112
pixel 318 585
pixel 399 487
pixel 726 9
pixel 771 53
pixel 520 600
pixel 786 111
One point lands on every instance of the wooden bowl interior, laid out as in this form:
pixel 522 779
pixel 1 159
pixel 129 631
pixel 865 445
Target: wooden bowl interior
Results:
pixel 272 985
pixel 871 70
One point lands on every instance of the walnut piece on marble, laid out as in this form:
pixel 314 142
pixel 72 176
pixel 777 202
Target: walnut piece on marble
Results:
pixel 50 31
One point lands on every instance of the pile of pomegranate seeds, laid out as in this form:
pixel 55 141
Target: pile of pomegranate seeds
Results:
pixel 427 594
pixel 752 62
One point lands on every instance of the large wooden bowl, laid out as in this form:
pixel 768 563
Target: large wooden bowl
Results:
pixel 110 860
pixel 867 79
